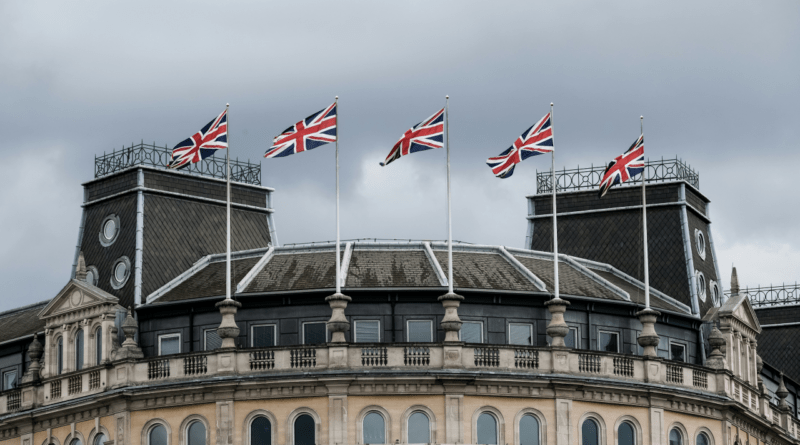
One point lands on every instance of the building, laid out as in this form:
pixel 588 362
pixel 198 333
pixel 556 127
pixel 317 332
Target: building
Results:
pixel 140 347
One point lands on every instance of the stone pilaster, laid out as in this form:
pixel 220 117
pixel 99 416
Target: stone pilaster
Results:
pixel 337 412
pixel 648 339
pixel 563 421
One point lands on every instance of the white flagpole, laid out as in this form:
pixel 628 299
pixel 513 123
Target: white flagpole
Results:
pixel 449 211
pixel 555 226
pixel 228 219
pixel 644 226
pixel 338 272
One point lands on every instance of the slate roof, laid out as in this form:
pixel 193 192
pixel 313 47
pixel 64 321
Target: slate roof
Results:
pixel 391 268
pixel 210 280
pixel 778 346
pixel 484 271
pixel 22 321
pixel 300 271
pixel 570 280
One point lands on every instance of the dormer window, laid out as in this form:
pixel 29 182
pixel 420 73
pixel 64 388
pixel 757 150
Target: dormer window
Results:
pixel 92 275
pixel 120 272
pixel 109 230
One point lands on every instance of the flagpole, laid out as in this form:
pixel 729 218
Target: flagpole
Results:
pixel 228 219
pixel 555 226
pixel 449 210
pixel 338 272
pixel 644 222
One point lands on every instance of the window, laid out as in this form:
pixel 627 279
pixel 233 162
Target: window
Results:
pixel 374 428
pixel 120 272
pixel 157 435
pixel 625 434
pixel 700 242
pixel 315 333
pixel 109 229
pixel 677 352
pixel 92 275
pixel 487 429
pixel 368 331
pixel 261 431
pixel 60 355
pixel 79 350
pixel 420 331
pixel 169 344
pixel 590 433
pixel 608 341
pixel 675 437
pixel 701 285
pixel 196 433
pixel 304 430
pixel 262 336
pixel 520 334
pixel 100 439
pixel 75 441
pixel 471 332
pixel 715 293
pixel 9 380
pixel 419 428
pixel 571 340
pixel 528 430
pixel 98 346
pixel 211 339
pixel 702 439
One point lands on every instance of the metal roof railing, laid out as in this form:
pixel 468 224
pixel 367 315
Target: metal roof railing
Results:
pixel 662 170
pixel 767 296
pixel 150 154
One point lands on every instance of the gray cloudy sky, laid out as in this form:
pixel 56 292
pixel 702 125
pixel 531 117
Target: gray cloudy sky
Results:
pixel 718 83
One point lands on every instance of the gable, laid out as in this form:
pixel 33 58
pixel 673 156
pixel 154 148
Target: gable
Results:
pixel 741 310
pixel 77 298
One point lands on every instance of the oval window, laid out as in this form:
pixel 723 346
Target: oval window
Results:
pixel 109 229
pixel 120 272
pixel 700 243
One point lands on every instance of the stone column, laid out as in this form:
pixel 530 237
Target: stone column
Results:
pixel 451 324
pixel 648 339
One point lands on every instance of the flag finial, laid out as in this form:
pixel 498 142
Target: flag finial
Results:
pixel 734 283
pixel 447 96
pixel 551 104
pixel 337 97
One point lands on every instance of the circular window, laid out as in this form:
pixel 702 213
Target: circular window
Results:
pixel 109 229
pixel 715 293
pixel 701 285
pixel 120 272
pixel 92 275
pixel 700 242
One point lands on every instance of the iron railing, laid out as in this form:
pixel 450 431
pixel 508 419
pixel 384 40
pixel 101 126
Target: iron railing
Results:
pixel 765 296
pixel 155 156
pixel 662 170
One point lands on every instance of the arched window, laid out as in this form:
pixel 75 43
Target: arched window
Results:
pixel 487 429
pixel 100 439
pixel 98 345
pixel 702 439
pixel 675 437
pixel 590 432
pixel 157 435
pixel 625 434
pixel 304 430
pixel 528 430
pixel 261 431
pixel 79 350
pixel 196 433
pixel 419 428
pixel 60 355
pixel 374 428
pixel 75 441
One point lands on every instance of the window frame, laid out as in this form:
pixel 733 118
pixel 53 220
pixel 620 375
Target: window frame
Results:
pixel 151 425
pixel 530 325
pixel 369 320
pixel 174 334
pixel 385 426
pixel 430 427
pixel 98 341
pixel 497 424
pixel 9 371
pixel 701 285
pixel 480 322
pixel 408 330
pixel 205 339
pixel 79 351
pixel 608 331
pixel 700 243
pixel 252 417
pixel 188 424
pixel 262 325
pixel 303 331
pixel 577 334
pixel 59 341
pixel 685 350
pixel 540 419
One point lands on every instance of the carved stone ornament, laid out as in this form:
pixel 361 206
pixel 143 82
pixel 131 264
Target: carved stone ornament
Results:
pixel 228 330
pixel 782 394
pixel 451 323
pixel 648 339
pixel 716 359
pixel 558 328
pixel 35 351
pixel 80 268
pixel 338 323
pixel 129 347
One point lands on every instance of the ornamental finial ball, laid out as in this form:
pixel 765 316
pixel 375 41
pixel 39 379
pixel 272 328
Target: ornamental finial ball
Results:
pixel 551 104
pixel 227 105
pixel 447 96
pixel 641 117
pixel 337 97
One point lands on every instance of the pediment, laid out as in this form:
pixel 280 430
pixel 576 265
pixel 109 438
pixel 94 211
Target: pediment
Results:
pixel 739 307
pixel 77 296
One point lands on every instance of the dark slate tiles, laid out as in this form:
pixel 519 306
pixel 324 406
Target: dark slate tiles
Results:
pixel 779 347
pixel 210 281
pixel 778 315
pixel 616 197
pixel 571 280
pixel 296 271
pixel 706 266
pixel 198 186
pixel 695 201
pixel 21 322
pixel 637 293
pixel 484 271
pixel 391 268
pixel 111 185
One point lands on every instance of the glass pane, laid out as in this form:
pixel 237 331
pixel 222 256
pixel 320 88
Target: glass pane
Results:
pixel 528 430
pixel 314 333
pixel 608 342
pixel 675 437
pixel 158 435
pixel 79 350
pixel 100 439
pixel 9 380
pixel 572 338
pixel 120 271
pixel 419 429
pixel 98 346
pixel 304 433
pixel 76 441
pixel 520 334
pixel 263 336
pixel 374 429
pixel 677 352
pixel 197 433
pixel 589 432
pixel 626 434
pixel 702 439
pixel 212 340
pixel 472 332
pixel 420 331
pixel 60 353
pixel 170 345
pixel 109 229
pixel 90 277
pixel 487 429
pixel 368 332
pixel 261 431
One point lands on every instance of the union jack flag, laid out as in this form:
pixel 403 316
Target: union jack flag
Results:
pixel 311 132
pixel 624 166
pixel 204 143
pixel 534 141
pixel 423 136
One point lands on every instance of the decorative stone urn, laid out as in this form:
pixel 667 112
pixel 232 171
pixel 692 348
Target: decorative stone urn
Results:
pixel 35 351
pixel 648 339
pixel 716 359
pixel 451 323
pixel 129 347
pixel 228 330
pixel 557 329
pixel 782 394
pixel 338 323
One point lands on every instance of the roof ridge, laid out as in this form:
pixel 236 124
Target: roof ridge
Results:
pixel 26 307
